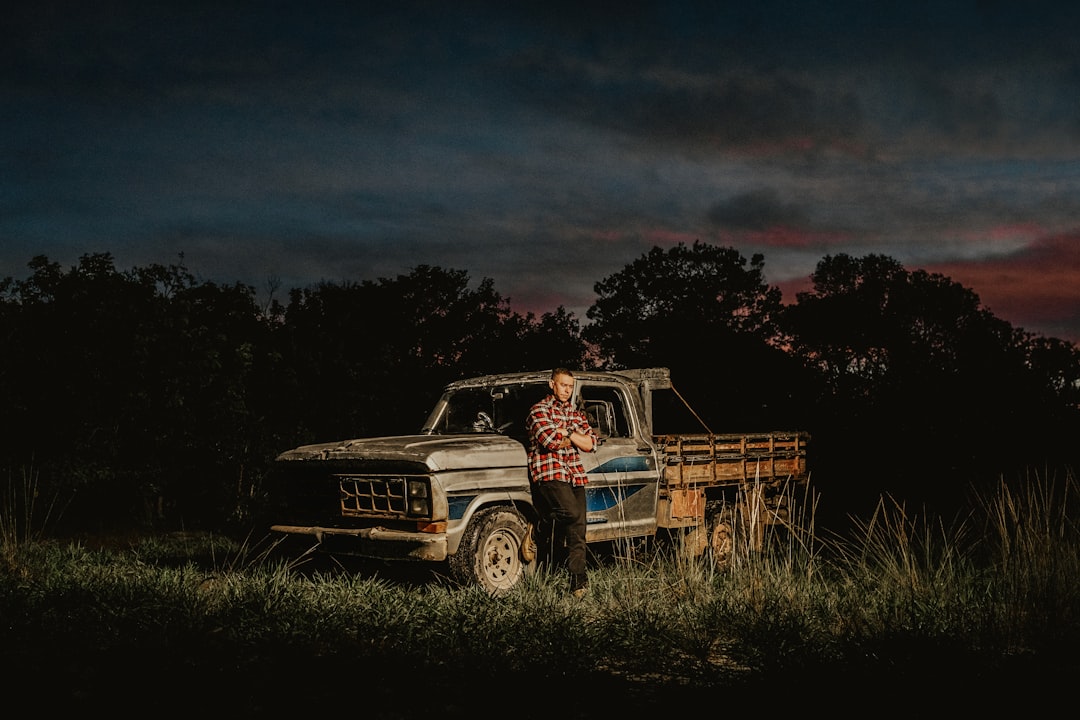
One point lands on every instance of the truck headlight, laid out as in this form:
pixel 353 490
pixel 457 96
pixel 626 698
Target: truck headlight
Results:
pixel 418 498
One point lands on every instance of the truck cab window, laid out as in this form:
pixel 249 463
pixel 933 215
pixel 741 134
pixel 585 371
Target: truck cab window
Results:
pixel 606 411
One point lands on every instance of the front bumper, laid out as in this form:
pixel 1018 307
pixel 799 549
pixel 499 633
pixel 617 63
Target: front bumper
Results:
pixel 374 542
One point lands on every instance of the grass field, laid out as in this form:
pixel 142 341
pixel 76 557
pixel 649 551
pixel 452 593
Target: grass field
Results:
pixel 905 611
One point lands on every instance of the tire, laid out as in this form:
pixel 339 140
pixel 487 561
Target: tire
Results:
pixel 722 536
pixel 490 554
pixel 692 543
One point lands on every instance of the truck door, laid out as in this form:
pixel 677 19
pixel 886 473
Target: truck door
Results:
pixel 623 485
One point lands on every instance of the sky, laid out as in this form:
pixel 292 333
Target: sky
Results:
pixel 548 145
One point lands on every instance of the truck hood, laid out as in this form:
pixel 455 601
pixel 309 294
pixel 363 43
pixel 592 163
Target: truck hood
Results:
pixel 438 452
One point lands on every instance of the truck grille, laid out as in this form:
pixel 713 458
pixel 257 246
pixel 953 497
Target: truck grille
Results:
pixel 366 496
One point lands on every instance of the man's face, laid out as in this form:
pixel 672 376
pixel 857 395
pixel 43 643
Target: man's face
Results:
pixel 562 386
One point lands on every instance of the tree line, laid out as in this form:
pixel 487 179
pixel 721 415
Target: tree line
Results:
pixel 145 399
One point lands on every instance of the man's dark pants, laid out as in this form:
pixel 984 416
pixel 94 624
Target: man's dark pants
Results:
pixel 562 526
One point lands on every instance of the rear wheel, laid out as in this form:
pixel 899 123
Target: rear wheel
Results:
pixel 691 543
pixel 725 531
pixel 490 554
pixel 721 543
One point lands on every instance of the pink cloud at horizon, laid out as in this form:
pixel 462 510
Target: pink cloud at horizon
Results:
pixel 1036 288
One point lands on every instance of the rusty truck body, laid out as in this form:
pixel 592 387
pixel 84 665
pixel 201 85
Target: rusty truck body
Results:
pixel 457 492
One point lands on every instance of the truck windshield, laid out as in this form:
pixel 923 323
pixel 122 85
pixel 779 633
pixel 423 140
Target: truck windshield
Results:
pixel 500 409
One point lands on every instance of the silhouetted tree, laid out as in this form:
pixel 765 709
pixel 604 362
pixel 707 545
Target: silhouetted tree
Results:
pixel 924 391
pixel 376 354
pixel 553 340
pixel 209 381
pixel 709 317
pixel 70 372
pixel 130 389
pixel 160 401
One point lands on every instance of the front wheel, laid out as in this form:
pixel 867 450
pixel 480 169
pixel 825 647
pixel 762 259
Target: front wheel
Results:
pixel 490 553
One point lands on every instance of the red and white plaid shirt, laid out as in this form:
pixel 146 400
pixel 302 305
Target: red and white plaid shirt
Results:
pixel 548 461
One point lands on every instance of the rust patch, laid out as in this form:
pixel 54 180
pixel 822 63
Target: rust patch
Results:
pixel 687 503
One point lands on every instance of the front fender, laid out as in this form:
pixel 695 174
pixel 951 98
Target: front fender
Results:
pixel 469 506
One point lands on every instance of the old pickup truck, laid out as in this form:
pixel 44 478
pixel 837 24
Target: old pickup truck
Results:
pixel 457 492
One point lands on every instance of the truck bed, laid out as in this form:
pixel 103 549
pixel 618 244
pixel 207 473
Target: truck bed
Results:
pixel 703 460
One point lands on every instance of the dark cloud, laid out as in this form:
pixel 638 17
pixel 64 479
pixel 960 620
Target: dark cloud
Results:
pixel 756 210
pixel 351 141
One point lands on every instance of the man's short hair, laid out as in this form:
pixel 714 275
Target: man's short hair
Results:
pixel 561 371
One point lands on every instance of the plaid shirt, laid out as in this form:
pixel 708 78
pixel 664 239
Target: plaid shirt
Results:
pixel 547 461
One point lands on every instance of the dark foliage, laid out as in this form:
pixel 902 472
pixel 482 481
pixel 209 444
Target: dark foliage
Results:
pixel 146 399
pixel 924 389
pixel 705 314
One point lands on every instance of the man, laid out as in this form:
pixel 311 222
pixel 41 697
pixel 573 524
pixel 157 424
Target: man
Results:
pixel 558 432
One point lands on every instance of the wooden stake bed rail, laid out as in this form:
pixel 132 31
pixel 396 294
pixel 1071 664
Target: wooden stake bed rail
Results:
pixel 721 459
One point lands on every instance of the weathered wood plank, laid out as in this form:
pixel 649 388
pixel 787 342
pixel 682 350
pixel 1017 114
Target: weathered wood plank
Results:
pixel 725 459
